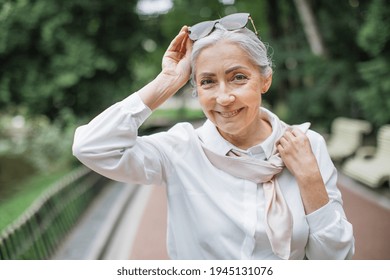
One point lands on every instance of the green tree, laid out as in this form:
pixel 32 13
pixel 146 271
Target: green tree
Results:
pixel 374 38
pixel 72 55
pixel 63 57
pixel 321 88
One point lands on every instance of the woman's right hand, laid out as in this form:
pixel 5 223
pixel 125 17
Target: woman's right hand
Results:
pixel 176 62
pixel 176 70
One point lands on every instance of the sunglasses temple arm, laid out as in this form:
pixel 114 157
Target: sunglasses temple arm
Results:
pixel 253 24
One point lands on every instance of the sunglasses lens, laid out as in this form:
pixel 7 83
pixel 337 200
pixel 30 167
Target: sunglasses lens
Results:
pixel 234 21
pixel 201 30
pixel 230 22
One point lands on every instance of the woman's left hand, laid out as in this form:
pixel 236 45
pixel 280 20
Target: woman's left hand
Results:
pixel 295 150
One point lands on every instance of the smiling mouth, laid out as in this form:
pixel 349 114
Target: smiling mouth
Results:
pixel 230 114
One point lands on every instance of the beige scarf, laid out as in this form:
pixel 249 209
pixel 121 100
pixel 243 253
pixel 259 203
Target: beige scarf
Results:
pixel 279 221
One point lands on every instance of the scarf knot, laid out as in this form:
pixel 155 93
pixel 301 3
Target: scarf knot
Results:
pixel 278 217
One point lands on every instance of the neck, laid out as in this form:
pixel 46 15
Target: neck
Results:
pixel 255 134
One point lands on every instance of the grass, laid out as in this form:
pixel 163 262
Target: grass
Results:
pixel 14 206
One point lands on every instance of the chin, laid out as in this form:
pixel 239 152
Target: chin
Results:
pixel 230 128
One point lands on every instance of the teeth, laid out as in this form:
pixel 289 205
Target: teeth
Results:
pixel 229 114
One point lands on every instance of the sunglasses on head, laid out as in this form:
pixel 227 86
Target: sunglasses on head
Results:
pixel 230 22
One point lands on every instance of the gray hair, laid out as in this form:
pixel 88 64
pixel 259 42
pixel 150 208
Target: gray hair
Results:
pixel 245 38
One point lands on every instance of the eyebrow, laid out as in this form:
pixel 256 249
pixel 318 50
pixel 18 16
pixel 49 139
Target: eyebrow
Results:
pixel 206 74
pixel 234 68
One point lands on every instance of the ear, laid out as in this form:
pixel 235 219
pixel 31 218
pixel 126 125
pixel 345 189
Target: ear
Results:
pixel 267 81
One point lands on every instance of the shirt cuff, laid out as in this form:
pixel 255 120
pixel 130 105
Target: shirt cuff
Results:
pixel 134 106
pixel 322 217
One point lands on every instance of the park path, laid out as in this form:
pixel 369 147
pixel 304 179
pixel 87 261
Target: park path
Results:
pixel 369 212
pixel 150 241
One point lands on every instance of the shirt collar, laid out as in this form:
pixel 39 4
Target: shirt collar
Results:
pixel 269 143
pixel 211 137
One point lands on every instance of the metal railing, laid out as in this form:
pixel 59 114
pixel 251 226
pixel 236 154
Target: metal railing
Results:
pixel 38 232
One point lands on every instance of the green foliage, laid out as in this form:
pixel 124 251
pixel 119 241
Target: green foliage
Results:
pixel 342 83
pixel 66 54
pixel 75 58
pixel 374 97
pixel 374 38
pixel 374 35
pixel 43 144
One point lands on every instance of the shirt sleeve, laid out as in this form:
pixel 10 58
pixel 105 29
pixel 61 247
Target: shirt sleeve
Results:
pixel 110 144
pixel 331 235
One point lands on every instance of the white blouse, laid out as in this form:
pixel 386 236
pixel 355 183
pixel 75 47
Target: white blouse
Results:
pixel 211 214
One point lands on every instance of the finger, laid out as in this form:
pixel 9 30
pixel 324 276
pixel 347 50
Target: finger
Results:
pixel 278 141
pixel 189 43
pixel 177 42
pixel 280 149
pixel 184 29
pixel 183 46
pixel 288 135
pixel 283 142
pixel 297 132
pixel 186 49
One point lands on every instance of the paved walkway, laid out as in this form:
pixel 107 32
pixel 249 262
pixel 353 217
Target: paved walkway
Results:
pixel 94 235
pixel 150 241
pixel 367 210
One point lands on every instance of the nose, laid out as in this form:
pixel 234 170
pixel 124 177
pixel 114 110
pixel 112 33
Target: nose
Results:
pixel 224 98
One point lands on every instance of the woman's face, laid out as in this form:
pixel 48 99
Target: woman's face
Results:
pixel 229 88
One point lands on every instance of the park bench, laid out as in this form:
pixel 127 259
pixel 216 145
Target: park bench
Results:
pixel 371 165
pixel 346 136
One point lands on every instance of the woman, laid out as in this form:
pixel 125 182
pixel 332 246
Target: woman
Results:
pixel 244 185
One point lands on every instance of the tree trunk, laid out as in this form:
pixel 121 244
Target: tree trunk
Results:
pixel 310 26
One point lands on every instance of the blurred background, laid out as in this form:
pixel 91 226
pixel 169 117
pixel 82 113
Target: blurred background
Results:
pixel 63 62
